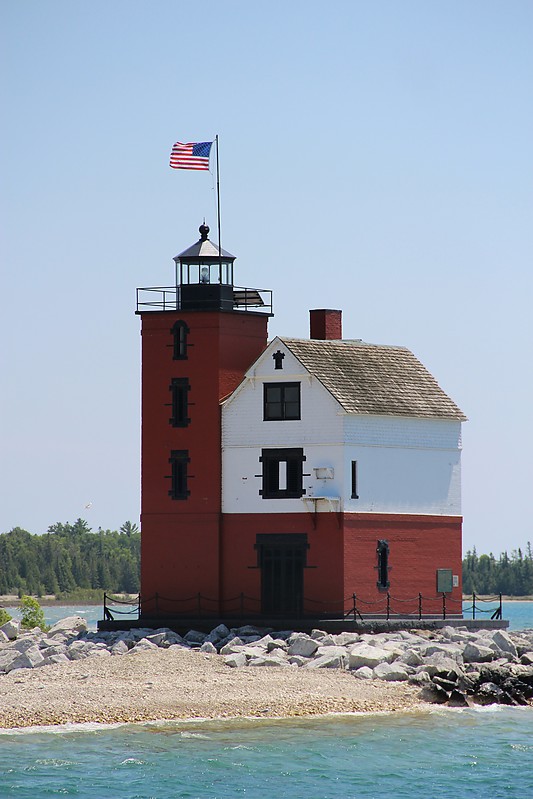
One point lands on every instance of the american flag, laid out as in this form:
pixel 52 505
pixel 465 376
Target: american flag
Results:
pixel 194 155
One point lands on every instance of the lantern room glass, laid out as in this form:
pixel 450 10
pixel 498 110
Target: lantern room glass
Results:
pixel 213 272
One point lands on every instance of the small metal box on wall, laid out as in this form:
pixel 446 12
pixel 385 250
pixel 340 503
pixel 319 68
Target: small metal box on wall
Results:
pixel 444 581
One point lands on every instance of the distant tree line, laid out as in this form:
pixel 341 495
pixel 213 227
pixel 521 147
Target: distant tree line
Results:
pixel 70 557
pixel 510 574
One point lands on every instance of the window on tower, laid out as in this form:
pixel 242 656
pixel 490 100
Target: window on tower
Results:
pixel 282 476
pixel 179 389
pixel 281 401
pixel 179 458
pixel 179 331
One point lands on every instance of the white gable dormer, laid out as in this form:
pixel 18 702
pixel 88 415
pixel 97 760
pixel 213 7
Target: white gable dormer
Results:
pixel 287 438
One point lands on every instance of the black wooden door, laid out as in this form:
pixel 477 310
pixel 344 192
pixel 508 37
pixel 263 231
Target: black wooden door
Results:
pixel 282 561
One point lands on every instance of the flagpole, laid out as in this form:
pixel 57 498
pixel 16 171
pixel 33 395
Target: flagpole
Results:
pixel 218 215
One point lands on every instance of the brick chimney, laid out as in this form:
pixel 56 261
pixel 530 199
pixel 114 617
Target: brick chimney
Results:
pixel 325 324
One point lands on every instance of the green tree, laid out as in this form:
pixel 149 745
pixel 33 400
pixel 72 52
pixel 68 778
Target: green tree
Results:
pixel 32 614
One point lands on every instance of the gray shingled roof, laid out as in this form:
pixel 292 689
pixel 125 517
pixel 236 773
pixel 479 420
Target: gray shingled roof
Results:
pixel 374 379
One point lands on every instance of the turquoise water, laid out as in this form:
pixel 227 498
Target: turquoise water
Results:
pixel 519 614
pixel 462 754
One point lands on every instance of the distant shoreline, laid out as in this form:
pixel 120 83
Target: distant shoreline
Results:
pixel 12 600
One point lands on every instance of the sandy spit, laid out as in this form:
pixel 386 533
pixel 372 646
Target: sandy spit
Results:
pixel 157 685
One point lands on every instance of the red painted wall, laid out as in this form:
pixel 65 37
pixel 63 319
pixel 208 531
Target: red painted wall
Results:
pixel 323 576
pixel 418 546
pixel 179 549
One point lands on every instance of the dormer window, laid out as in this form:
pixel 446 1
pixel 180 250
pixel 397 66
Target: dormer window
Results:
pixel 281 401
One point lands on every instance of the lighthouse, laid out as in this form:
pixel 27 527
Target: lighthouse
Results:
pixel 284 479
pixel 199 337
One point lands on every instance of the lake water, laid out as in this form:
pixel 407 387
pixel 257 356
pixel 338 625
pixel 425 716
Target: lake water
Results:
pixel 519 614
pixel 466 754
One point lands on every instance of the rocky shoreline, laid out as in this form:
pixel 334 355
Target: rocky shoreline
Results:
pixel 71 674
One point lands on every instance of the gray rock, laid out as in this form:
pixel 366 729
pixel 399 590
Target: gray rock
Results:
pixel 195 637
pixel 452 651
pixel 364 673
pixel 420 678
pixel 55 649
pixel 390 671
pixel 504 642
pixel 119 648
pixel 142 646
pixel 235 645
pixel 268 660
pixel 209 648
pixel 277 643
pixel 298 660
pixel 7 656
pixel 365 655
pixel 477 653
pixel 329 661
pixel 440 665
pixel 302 645
pixel 71 624
pixel 80 649
pixel 236 660
pixel 26 660
pixel 332 651
pixel 411 657
pixel 217 634
pixel 346 639
pixel 11 629
pixel 157 638
pixel 249 629
pixel 25 643
pixel 254 651
pixel 51 659
pixel 265 641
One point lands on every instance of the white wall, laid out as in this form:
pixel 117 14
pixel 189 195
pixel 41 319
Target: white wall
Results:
pixel 405 465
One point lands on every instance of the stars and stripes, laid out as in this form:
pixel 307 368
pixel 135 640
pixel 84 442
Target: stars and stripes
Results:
pixel 194 155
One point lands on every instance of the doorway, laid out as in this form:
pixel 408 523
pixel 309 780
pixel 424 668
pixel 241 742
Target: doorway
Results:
pixel 282 559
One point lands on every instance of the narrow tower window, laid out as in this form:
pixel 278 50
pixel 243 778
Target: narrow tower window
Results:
pixel 179 458
pixel 179 331
pixel 355 495
pixel 179 388
pixel 383 564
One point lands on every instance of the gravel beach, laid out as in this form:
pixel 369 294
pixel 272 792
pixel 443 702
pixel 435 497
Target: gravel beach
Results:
pixel 155 685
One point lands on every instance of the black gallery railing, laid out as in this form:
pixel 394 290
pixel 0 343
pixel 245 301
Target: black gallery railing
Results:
pixel 352 608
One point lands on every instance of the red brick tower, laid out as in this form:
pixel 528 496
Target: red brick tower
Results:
pixel 198 339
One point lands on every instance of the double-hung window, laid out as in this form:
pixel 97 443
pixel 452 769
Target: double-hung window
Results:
pixel 281 401
pixel 282 473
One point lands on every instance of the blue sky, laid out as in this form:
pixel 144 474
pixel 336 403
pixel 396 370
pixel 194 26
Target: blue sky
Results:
pixel 375 157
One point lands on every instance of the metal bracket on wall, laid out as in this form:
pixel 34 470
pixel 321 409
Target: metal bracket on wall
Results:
pixel 334 507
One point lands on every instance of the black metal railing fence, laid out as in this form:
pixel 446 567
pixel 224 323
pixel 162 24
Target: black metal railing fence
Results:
pixel 353 607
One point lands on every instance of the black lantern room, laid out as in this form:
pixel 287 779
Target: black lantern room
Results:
pixel 204 276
